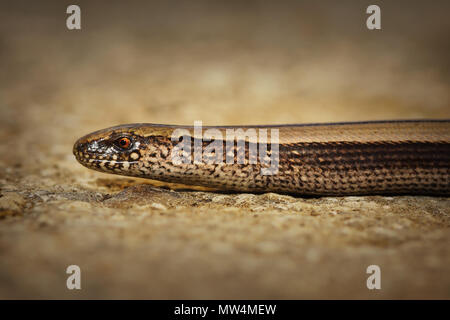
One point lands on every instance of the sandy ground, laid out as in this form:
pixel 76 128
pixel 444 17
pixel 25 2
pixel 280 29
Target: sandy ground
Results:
pixel 222 63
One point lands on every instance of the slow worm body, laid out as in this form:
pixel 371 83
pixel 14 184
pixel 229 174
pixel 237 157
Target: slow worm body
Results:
pixel 360 158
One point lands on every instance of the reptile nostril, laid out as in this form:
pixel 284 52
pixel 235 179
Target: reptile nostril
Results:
pixel 77 148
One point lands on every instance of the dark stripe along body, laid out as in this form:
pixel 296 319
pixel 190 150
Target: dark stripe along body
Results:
pixel 368 168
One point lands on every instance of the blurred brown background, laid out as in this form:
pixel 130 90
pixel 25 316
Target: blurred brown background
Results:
pixel 222 62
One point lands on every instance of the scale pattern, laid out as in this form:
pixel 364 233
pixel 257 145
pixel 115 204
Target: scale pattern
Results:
pixel 356 159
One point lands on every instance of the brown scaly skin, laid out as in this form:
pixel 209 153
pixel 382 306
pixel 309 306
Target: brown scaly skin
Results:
pixel 385 157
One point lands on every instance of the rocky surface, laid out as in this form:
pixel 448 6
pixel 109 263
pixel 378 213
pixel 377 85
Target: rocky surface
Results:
pixel 223 64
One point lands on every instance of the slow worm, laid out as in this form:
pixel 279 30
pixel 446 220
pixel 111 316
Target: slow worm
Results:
pixel 359 158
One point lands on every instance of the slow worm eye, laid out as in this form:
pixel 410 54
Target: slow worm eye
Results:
pixel 123 143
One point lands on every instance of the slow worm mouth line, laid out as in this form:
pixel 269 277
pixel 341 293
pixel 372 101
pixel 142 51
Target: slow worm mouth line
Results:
pixel 93 160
